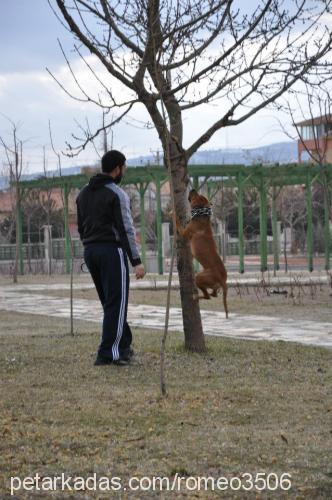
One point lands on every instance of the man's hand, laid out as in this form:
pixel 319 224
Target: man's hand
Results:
pixel 139 271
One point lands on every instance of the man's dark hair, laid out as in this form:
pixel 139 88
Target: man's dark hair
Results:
pixel 111 160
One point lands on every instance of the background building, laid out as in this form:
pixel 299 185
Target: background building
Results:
pixel 315 139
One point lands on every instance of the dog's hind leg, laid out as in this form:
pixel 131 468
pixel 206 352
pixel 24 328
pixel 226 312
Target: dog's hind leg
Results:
pixel 203 281
pixel 205 295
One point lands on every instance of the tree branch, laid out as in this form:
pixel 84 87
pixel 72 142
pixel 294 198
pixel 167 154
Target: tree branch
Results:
pixel 75 29
pixel 226 119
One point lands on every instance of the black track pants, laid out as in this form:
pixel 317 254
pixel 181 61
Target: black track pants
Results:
pixel 108 267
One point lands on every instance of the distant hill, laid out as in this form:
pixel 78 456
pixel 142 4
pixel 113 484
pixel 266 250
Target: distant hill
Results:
pixel 282 152
pixel 51 173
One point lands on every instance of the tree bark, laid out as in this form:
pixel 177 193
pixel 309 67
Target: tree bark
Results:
pixel 192 323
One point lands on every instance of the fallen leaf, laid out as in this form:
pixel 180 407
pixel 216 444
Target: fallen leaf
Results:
pixel 284 438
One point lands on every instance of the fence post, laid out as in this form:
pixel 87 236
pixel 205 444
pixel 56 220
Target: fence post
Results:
pixel 263 224
pixel 159 231
pixel 142 189
pixel 48 247
pixel 67 236
pixel 166 239
pixel 223 239
pixel 275 231
pixel 20 235
pixel 240 221
pixel 310 245
pixel 327 228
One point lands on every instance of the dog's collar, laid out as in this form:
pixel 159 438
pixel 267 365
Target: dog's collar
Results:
pixel 196 212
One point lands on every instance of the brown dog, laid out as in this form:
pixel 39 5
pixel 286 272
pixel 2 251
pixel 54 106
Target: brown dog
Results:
pixel 203 248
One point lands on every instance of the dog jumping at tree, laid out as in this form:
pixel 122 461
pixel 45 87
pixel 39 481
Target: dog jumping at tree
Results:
pixel 203 248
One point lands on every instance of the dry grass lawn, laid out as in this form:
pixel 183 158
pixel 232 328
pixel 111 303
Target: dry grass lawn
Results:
pixel 243 407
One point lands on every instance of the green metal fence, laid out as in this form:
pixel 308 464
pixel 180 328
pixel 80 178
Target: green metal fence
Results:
pixel 36 251
pixel 33 251
pixel 265 179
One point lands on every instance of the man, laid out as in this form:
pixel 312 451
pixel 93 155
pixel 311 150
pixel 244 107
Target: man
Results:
pixel 106 229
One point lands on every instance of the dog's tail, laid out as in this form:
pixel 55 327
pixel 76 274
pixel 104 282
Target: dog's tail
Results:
pixel 223 283
pixel 224 298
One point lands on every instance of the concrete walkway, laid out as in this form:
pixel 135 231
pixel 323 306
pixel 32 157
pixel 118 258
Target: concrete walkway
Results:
pixel 252 327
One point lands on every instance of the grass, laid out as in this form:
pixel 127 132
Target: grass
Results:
pixel 242 407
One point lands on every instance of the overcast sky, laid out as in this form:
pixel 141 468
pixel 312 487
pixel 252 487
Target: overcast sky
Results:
pixel 30 97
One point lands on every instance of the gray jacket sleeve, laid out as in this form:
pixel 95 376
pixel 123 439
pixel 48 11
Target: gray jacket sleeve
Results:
pixel 124 224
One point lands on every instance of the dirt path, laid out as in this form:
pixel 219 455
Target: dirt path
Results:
pixel 251 327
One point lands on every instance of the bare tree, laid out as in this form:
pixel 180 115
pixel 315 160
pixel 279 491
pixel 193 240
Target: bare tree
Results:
pixel 71 246
pixel 313 130
pixel 314 136
pixel 175 56
pixel 13 149
pixel 30 207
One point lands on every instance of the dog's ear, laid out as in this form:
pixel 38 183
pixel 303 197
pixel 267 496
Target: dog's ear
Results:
pixel 191 192
pixel 204 199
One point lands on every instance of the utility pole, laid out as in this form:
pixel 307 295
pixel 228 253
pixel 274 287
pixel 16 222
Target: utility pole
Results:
pixel 157 156
pixel 105 136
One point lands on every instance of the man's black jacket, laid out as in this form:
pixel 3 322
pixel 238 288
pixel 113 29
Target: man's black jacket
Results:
pixel 103 215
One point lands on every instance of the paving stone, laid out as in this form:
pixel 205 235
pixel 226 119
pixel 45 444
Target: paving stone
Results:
pixel 253 327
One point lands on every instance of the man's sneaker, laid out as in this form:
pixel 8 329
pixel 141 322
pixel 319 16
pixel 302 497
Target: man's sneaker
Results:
pixel 127 354
pixel 121 362
pixel 107 361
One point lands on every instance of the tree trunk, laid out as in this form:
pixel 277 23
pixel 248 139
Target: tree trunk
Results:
pixel 192 323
